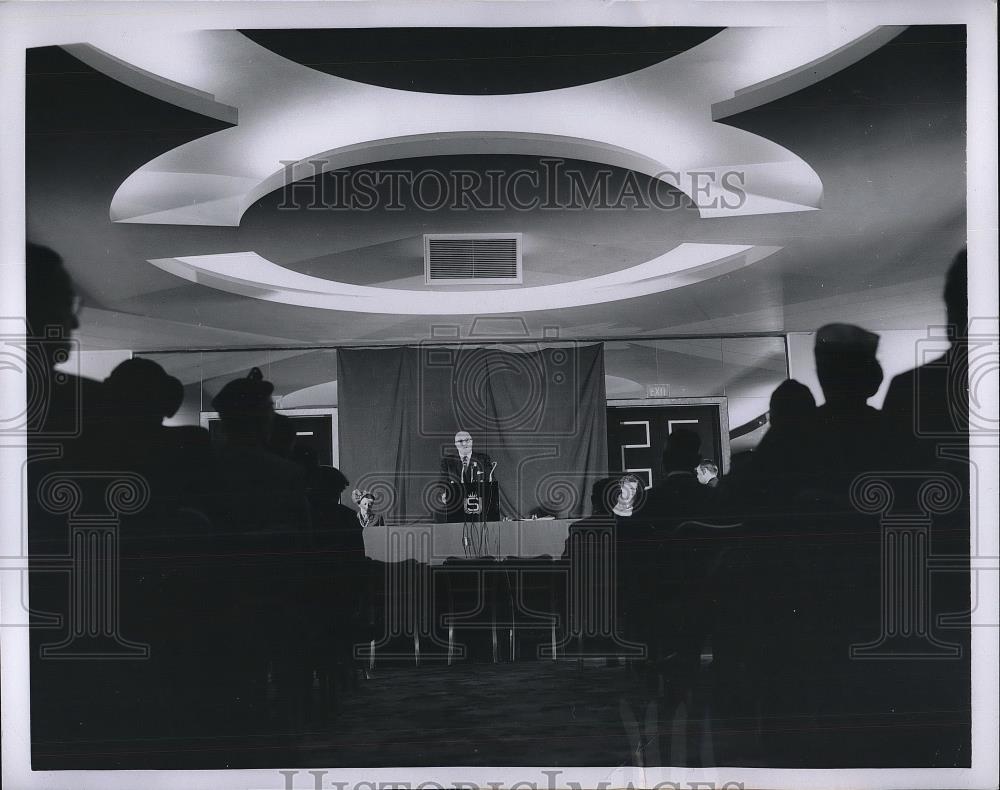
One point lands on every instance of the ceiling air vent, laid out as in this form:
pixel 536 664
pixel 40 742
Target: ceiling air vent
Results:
pixel 472 258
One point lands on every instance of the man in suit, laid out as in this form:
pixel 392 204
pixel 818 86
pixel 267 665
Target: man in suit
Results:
pixel 929 406
pixel 928 412
pixel 851 436
pixel 466 472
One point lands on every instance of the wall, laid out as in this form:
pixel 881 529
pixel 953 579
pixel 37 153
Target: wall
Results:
pixel 898 351
pixel 95 365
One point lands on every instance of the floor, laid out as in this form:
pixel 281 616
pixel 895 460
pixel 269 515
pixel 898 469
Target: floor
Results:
pixel 562 714
pixel 565 713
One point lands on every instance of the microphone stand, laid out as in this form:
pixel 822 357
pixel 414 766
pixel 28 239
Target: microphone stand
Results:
pixel 489 507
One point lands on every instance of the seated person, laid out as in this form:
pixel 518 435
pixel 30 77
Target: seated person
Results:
pixel 335 526
pixel 257 492
pixel 680 497
pixel 175 461
pixel 707 473
pixel 629 498
pixel 367 517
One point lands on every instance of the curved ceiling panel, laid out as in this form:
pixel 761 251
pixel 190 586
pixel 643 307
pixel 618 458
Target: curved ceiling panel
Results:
pixel 658 120
pixel 248 274
pixel 480 60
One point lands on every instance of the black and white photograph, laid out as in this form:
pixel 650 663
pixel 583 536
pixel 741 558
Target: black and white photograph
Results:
pixel 509 395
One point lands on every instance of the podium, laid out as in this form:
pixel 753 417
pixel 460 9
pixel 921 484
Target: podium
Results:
pixel 470 503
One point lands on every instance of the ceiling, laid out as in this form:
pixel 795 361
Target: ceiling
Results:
pixel 867 164
pixel 480 60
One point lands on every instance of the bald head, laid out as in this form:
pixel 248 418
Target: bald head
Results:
pixel 463 443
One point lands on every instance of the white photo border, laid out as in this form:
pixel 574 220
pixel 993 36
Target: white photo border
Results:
pixel 31 24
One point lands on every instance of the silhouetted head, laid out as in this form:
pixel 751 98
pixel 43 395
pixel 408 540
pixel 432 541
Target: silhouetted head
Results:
pixel 245 408
pixel 326 484
pixel 956 294
pixel 51 301
pixel 792 404
pixel 335 480
pixel 682 451
pixel 603 495
pixel 846 365
pixel 141 390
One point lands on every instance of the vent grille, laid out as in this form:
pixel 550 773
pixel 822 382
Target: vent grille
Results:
pixel 463 258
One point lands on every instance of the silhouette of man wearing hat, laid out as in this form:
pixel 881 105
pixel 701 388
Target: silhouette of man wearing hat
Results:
pixel 260 491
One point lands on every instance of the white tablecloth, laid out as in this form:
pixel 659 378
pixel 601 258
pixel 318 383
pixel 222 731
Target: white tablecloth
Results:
pixel 432 544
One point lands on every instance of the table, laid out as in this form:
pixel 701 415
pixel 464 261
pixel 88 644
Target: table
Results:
pixel 432 544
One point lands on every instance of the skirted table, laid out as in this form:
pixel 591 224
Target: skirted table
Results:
pixel 433 544
pixel 543 588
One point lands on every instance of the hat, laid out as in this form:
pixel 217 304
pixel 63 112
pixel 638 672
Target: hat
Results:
pixel 361 493
pixel 846 337
pixel 142 384
pixel 250 396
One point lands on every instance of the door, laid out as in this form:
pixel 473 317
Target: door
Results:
pixel 637 434
pixel 312 430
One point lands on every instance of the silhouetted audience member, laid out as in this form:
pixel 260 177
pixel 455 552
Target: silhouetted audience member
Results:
pixel 259 491
pixel 928 407
pixel 601 498
pixel 59 405
pixel 818 571
pixel 792 406
pixel 928 412
pixel 341 579
pixel 263 523
pixel 176 461
pixel 685 542
pixel 680 496
pixel 61 410
pixel 619 502
pixel 336 529
pixel 851 436
pixel 61 434
pixel 781 475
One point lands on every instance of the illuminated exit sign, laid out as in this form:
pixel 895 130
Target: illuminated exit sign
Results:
pixel 656 391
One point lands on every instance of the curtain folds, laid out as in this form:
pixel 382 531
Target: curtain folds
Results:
pixel 538 412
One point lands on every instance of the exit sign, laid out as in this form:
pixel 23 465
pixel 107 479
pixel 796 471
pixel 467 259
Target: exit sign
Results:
pixel 656 391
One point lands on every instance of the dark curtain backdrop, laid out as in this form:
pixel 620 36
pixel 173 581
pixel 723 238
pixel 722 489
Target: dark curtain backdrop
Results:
pixel 540 413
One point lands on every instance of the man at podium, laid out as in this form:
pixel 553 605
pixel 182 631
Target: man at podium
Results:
pixel 470 487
